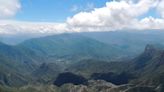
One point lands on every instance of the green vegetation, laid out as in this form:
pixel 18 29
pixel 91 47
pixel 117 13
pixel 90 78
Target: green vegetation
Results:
pixel 34 65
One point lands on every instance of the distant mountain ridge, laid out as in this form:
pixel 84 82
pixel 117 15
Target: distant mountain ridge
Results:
pixel 42 61
pixel 64 49
pixel 132 41
pixel 147 68
pixel 71 46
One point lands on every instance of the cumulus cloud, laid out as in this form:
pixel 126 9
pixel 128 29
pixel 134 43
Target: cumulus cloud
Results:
pixel 9 8
pixel 115 15
pixel 18 27
pixel 161 8
pixel 151 23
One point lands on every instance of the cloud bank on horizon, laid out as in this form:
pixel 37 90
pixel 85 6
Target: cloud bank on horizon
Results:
pixel 115 15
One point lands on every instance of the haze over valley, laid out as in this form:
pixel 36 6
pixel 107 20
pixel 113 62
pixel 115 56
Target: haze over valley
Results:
pixel 82 46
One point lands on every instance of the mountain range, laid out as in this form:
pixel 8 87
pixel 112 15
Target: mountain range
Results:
pixel 84 62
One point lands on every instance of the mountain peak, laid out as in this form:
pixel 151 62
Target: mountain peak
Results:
pixel 151 49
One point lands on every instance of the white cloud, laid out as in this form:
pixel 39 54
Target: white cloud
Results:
pixel 151 23
pixel 160 8
pixel 17 27
pixel 116 15
pixel 8 8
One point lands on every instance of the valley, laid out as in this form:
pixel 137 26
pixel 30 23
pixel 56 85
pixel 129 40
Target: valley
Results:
pixel 79 62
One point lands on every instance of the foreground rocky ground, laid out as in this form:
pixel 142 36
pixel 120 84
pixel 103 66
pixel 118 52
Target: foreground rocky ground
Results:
pixel 91 86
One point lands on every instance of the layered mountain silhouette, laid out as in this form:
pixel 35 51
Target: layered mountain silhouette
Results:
pixel 27 58
pixel 71 46
pixel 76 63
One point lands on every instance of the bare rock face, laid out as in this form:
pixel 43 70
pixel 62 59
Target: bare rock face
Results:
pixel 121 88
pixel 100 85
pixel 74 88
pixel 92 86
pixel 80 88
pixel 141 89
pixel 103 86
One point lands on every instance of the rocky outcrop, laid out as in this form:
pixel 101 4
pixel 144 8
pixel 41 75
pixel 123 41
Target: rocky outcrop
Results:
pixel 103 86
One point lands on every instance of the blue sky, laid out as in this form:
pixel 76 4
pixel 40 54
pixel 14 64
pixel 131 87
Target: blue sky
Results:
pixel 66 16
pixel 53 10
